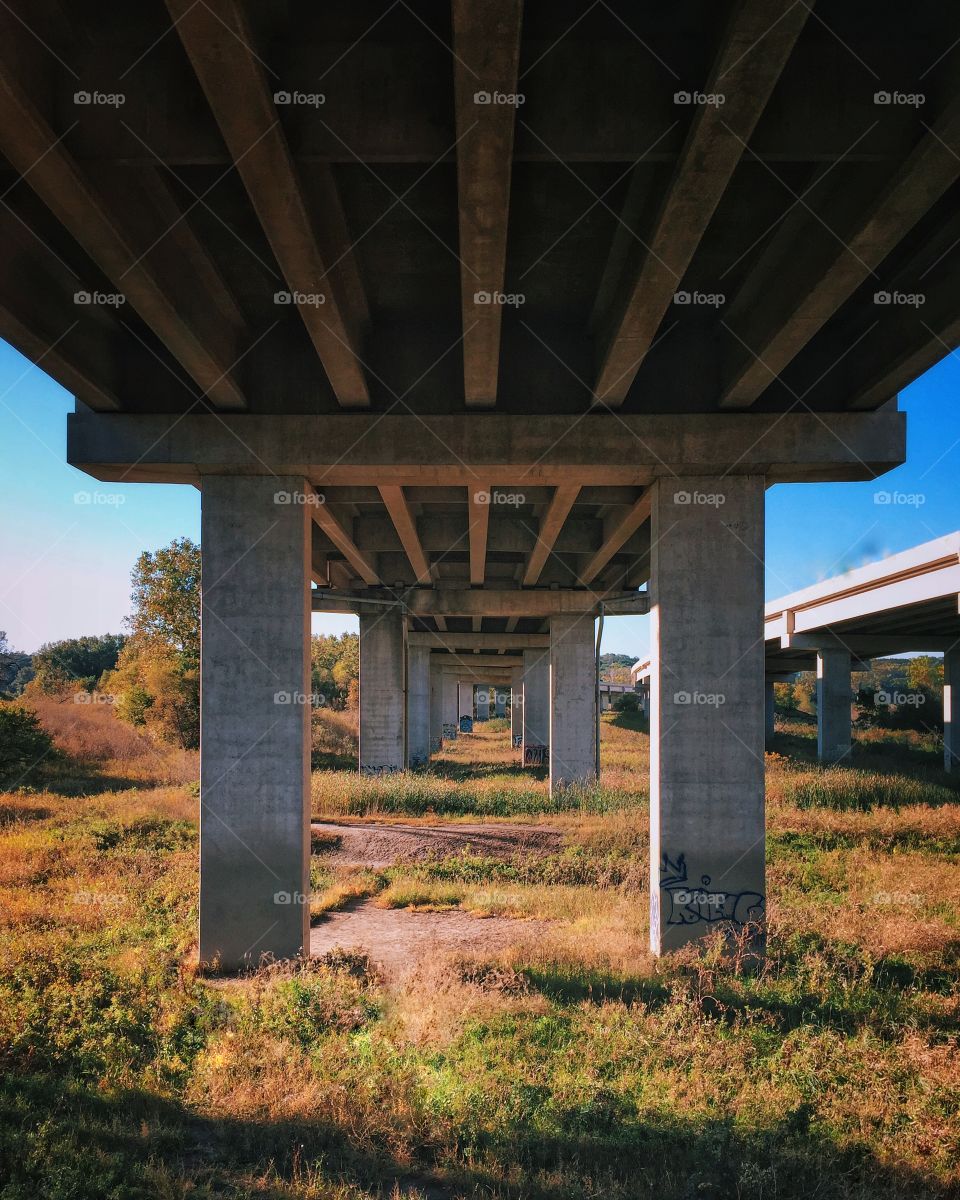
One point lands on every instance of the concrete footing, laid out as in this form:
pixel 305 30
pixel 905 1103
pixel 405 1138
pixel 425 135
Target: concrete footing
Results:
pixel 255 720
pixel 573 702
pixel 707 708
pixel 833 704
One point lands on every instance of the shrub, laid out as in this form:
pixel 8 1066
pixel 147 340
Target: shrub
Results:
pixel 627 702
pixel 22 742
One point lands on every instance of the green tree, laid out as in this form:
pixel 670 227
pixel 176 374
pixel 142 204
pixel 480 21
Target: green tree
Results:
pixel 75 663
pixel 335 662
pixel 23 743
pixel 925 673
pixel 15 669
pixel 157 680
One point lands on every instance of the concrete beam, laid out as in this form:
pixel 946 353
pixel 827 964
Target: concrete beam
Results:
pixel 473 662
pixel 219 41
pixel 479 524
pixel 402 517
pixel 509 451
pixel 623 528
pixel 557 513
pixel 769 336
pixel 486 55
pixel 361 562
pixel 756 45
pixel 41 159
pixel 479 641
pixel 867 645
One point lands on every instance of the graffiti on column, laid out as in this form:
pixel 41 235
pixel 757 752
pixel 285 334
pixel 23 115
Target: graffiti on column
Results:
pixel 533 755
pixel 379 769
pixel 436 744
pixel 692 903
pixel 517 741
pixel 449 730
pixel 466 724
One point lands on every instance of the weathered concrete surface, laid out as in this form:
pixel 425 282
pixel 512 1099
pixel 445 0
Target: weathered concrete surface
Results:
pixel 707 707
pixel 465 695
pixel 418 706
pixel 516 706
pixel 592 449
pixel 951 709
pixel 450 702
pixel 255 720
pixel 500 702
pixel 536 698
pixel 381 692
pixel 436 711
pixel 573 702
pixel 770 709
pixel 833 704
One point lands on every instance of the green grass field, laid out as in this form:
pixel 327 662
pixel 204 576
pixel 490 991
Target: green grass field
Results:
pixel 581 1068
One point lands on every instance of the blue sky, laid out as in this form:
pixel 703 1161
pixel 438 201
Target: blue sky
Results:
pixel 65 559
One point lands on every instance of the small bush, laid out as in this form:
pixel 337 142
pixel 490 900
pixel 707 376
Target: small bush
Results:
pixel 23 743
pixel 628 702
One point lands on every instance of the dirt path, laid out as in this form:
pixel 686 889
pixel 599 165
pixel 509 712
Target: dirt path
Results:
pixel 381 844
pixel 398 940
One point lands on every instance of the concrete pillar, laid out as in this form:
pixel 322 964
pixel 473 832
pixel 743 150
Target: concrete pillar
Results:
pixel 516 708
pixel 706 707
pixel 573 702
pixel 951 709
pixel 450 705
pixel 436 712
pixel 481 701
pixel 381 692
pixel 418 706
pixel 254 719
pixel 770 708
pixel 500 701
pixel 833 704
pixel 465 691
pixel 536 701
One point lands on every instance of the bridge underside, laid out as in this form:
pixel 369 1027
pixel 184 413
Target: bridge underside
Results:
pixel 475 317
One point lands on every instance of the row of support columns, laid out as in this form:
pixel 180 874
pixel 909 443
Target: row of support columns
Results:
pixel 709 710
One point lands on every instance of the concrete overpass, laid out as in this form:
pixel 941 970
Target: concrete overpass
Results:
pixel 478 318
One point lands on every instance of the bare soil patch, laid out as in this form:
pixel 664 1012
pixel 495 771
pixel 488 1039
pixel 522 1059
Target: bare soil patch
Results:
pixel 399 940
pixel 381 844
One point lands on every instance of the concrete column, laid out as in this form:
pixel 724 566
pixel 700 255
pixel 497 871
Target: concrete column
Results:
pixel 536 700
pixel 450 704
pixel 254 719
pixel 418 706
pixel 706 707
pixel 381 692
pixel 833 704
pixel 573 702
pixel 516 708
pixel 770 708
pixel 436 712
pixel 500 701
pixel 481 700
pixel 465 691
pixel 951 709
